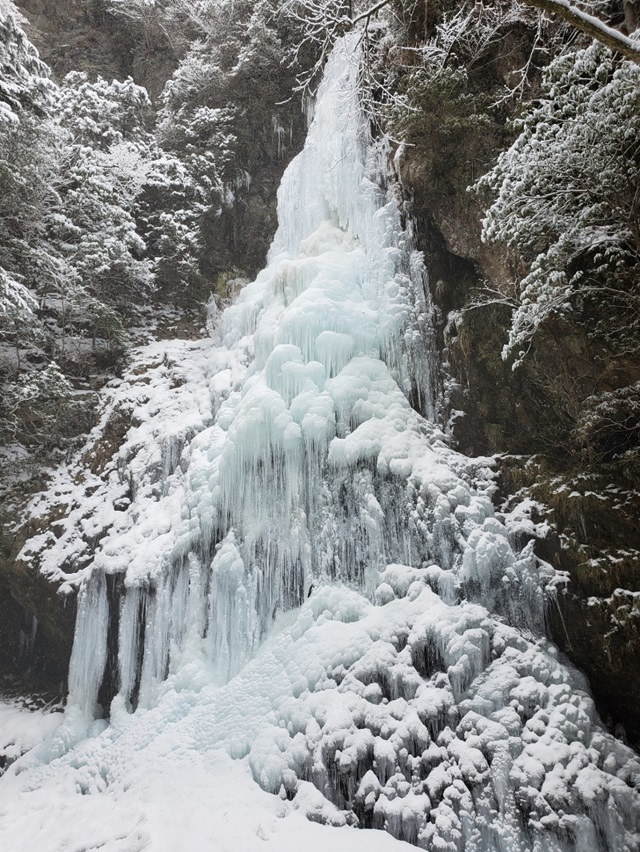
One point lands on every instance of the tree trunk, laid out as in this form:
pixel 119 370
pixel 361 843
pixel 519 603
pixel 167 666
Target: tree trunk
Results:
pixel 630 15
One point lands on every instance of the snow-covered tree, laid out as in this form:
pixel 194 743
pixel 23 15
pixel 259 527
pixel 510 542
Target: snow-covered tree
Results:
pixel 99 230
pixel 24 78
pixel 568 200
pixel 15 298
pixel 169 211
pixel 102 114
pixel 25 168
pixel 73 159
pixel 35 407
pixel 102 155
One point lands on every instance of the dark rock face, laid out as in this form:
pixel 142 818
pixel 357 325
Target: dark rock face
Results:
pixel 529 415
pixel 238 238
pixel 83 35
pixel 36 628
pixel 596 618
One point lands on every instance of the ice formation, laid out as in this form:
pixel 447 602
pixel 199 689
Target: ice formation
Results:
pixel 298 582
pixel 302 476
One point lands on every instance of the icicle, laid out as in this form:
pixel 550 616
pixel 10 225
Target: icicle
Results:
pixel 319 463
pixel 129 642
pixel 89 655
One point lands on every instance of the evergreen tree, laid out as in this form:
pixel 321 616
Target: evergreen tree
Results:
pixel 568 195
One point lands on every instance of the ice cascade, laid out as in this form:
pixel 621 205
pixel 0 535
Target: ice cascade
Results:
pixel 326 576
pixel 319 391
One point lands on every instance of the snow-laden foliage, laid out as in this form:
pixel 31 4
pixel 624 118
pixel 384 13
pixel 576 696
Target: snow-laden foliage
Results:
pixel 24 78
pixel 609 423
pixel 186 188
pixel 27 164
pixel 99 113
pixel 15 298
pixel 567 200
pixel 139 207
pixel 80 252
pixel 35 406
pixel 106 152
pixel 100 176
pixel 169 211
pixel 74 261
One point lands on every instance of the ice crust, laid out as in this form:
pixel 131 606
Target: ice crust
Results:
pixel 298 583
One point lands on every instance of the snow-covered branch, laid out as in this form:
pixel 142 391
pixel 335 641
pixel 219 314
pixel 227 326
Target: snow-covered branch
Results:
pixel 591 26
pixel 15 298
pixel 365 16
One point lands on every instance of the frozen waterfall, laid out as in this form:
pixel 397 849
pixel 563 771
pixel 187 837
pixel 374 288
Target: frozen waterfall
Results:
pixel 302 477
pixel 310 586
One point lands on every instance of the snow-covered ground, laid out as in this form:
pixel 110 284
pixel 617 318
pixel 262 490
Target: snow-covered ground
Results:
pixel 23 727
pixel 148 783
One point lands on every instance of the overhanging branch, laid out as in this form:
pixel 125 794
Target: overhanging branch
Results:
pixel 591 26
pixel 370 12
